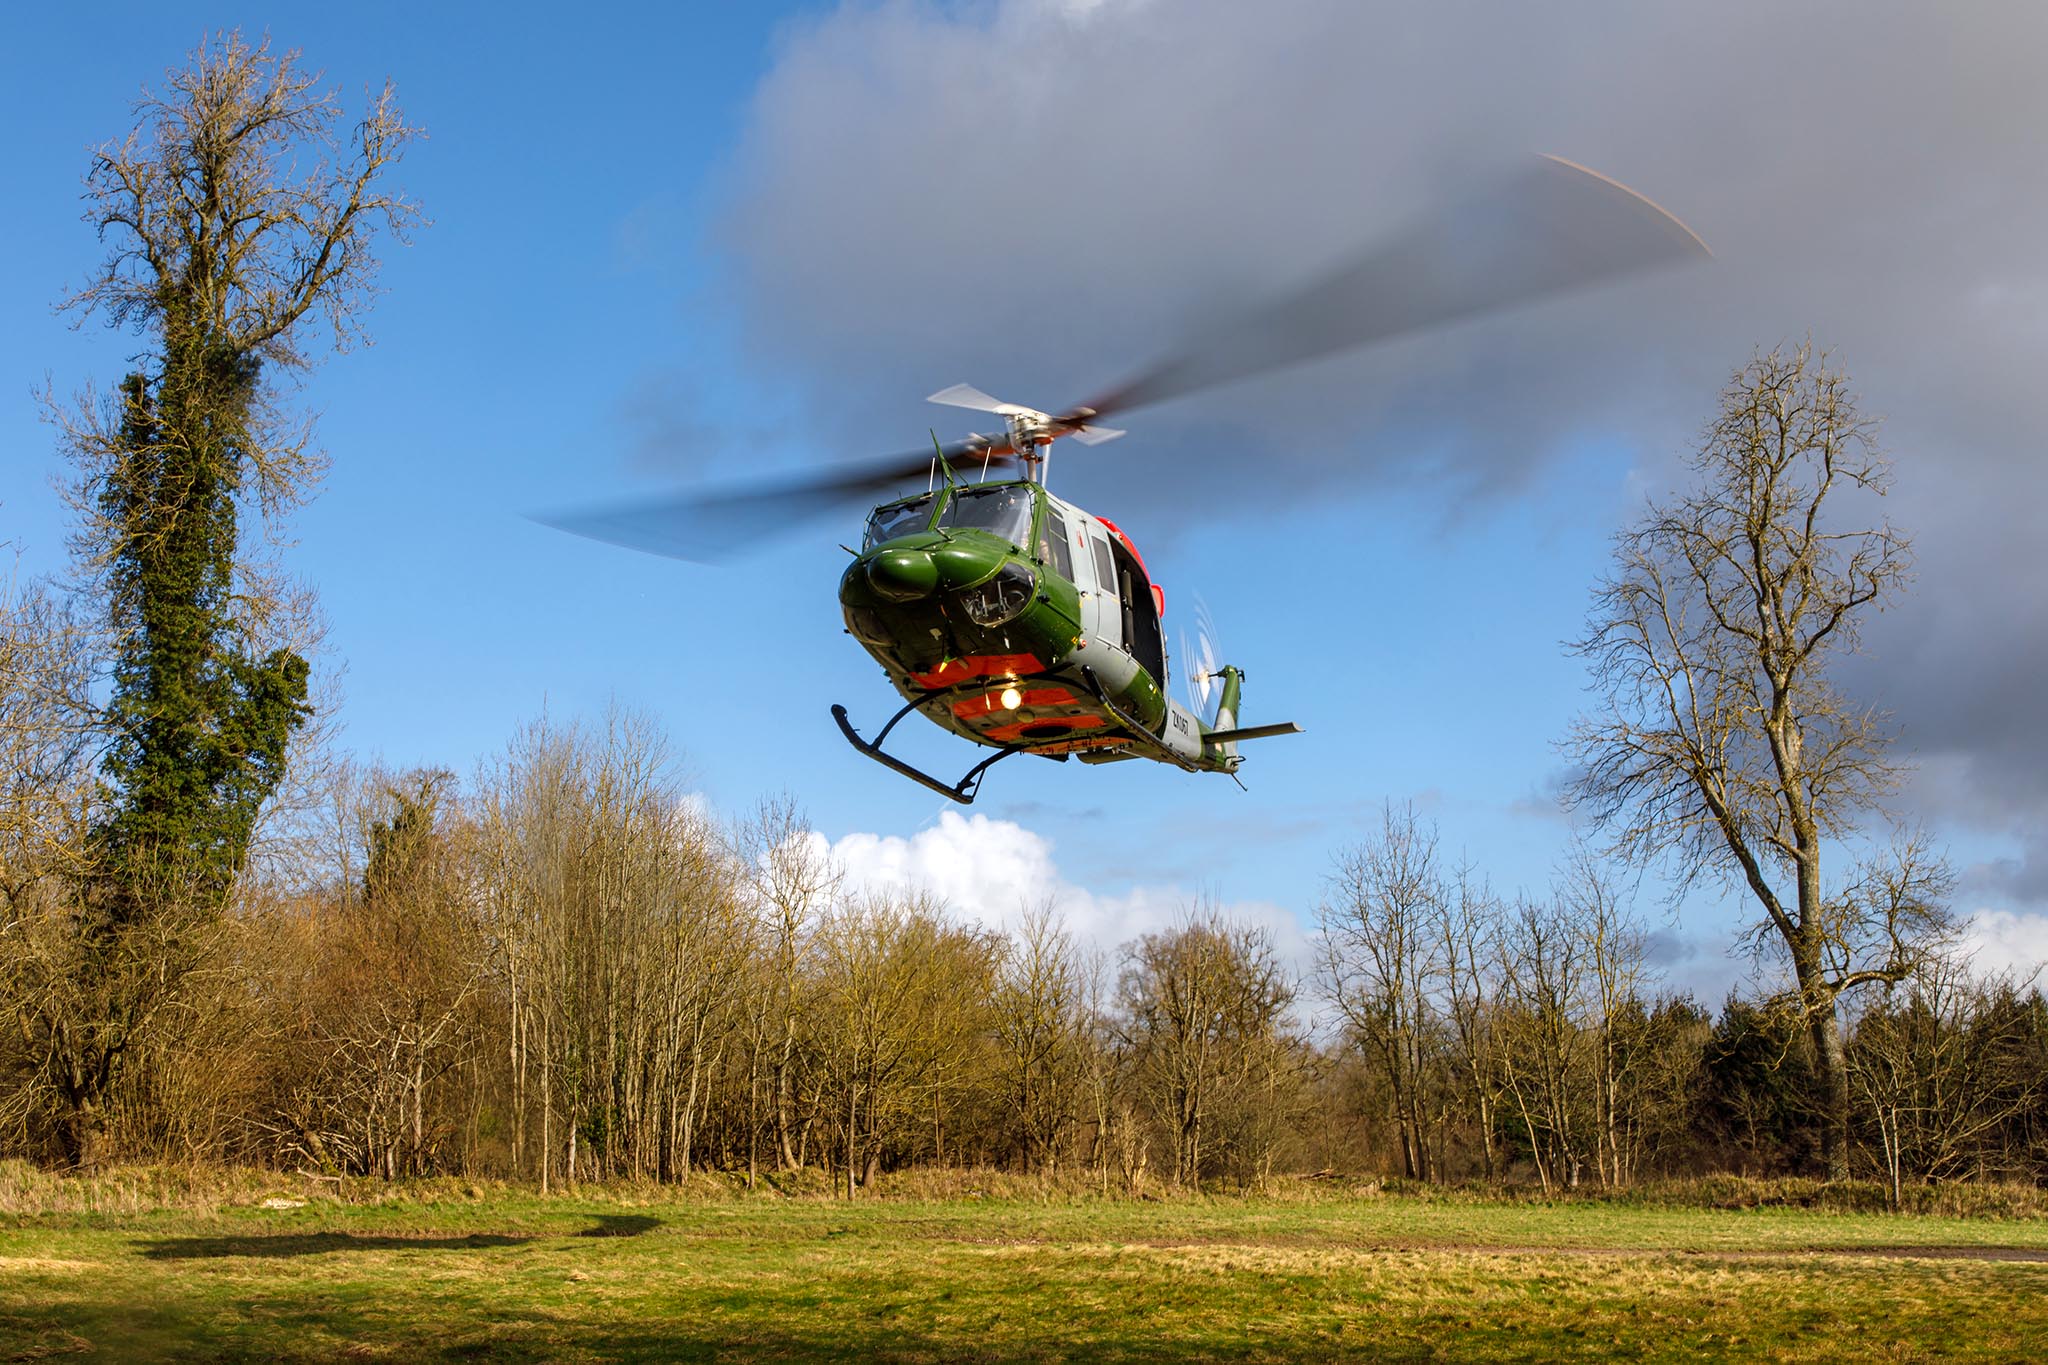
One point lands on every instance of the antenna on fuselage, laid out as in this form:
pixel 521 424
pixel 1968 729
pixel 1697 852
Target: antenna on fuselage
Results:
pixel 939 463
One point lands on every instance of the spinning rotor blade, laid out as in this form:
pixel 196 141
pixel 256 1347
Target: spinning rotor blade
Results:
pixel 709 526
pixel 1554 228
pixel 967 396
pixel 1094 436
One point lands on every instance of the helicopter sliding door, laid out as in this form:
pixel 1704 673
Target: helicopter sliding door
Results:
pixel 1101 604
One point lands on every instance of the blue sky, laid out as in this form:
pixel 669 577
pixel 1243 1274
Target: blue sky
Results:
pixel 678 243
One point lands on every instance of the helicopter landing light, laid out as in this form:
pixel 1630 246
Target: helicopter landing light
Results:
pixel 1012 699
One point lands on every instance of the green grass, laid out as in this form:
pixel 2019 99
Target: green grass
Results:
pixel 432 1273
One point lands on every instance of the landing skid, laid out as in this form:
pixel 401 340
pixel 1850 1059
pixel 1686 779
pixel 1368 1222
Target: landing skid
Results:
pixel 963 791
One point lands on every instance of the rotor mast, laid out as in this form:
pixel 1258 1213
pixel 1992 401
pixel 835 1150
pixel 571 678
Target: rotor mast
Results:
pixel 1028 433
pixel 1031 437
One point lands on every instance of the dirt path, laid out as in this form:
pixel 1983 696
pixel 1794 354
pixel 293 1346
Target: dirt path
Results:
pixel 1908 1252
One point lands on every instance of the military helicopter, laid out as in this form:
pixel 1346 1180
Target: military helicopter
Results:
pixel 1026 624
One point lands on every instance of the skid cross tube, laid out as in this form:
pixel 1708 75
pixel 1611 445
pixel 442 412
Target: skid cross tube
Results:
pixel 964 791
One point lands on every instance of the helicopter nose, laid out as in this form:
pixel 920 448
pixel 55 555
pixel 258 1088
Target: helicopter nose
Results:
pixel 903 575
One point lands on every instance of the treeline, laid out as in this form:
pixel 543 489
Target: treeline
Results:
pixel 569 969
pixel 1525 1038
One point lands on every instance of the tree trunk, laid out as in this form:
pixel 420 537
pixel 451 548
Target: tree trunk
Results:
pixel 84 1137
pixel 792 1158
pixel 850 1130
pixel 1825 1026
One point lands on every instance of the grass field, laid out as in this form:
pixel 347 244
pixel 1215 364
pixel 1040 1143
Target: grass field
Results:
pixel 444 1273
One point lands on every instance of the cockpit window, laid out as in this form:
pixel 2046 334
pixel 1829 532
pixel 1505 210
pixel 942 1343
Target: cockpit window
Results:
pixel 1004 511
pixel 898 519
pixel 1052 545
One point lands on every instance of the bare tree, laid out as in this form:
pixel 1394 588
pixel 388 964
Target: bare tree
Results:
pixel 903 1005
pixel 1042 1026
pixel 1593 906
pixel 1723 740
pixel 1940 1065
pixel 377 1008
pixel 1542 1038
pixel 1469 928
pixel 792 881
pixel 1195 999
pixel 50 736
pixel 1382 957
pixel 622 938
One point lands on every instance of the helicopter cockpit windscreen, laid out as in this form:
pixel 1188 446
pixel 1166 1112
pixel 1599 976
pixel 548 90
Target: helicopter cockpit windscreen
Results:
pixel 897 519
pixel 1004 511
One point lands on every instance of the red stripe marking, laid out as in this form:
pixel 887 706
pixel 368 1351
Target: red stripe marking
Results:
pixel 979 666
pixel 1005 734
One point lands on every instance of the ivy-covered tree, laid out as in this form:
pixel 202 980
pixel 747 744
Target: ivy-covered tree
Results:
pixel 237 216
pixel 234 215
pixel 201 714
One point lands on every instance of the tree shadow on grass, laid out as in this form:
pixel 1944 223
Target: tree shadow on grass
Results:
pixel 313 1244
pixel 281 1244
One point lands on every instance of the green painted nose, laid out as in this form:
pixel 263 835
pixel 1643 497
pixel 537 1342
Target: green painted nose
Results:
pixel 903 575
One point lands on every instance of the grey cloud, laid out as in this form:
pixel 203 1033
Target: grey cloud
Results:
pixel 1035 197
pixel 1667 948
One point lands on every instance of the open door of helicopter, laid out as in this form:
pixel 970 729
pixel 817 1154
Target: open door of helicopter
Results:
pixel 1139 600
pixel 1138 603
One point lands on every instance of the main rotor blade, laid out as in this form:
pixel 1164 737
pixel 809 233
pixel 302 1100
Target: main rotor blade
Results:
pixel 1554 228
pixel 708 526
pixel 967 396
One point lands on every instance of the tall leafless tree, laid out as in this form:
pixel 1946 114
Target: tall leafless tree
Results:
pixel 1594 906
pixel 1723 738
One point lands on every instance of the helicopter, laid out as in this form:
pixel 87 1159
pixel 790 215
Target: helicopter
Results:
pixel 1016 619
pixel 1022 622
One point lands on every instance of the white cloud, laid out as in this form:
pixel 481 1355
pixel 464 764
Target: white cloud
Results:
pixel 992 871
pixel 2001 940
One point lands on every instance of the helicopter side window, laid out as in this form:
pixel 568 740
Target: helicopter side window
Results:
pixel 897 519
pixel 1105 572
pixel 1052 545
pixel 1004 512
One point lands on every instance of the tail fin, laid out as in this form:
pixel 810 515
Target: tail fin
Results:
pixel 1224 735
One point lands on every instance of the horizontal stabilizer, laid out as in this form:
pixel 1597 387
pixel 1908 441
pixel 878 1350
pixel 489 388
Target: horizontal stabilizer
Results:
pixel 1285 727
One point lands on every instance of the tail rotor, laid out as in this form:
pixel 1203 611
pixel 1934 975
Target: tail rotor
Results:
pixel 1201 664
